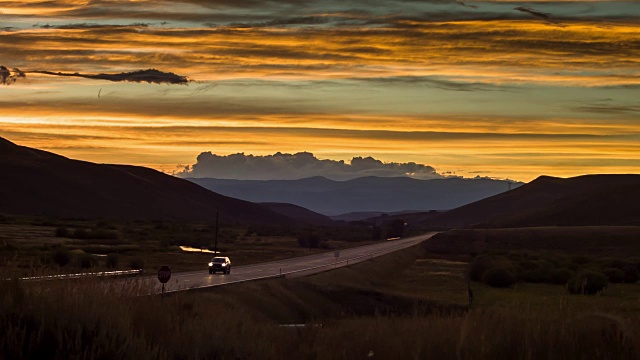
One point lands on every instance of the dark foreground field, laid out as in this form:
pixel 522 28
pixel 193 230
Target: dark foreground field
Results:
pixel 407 305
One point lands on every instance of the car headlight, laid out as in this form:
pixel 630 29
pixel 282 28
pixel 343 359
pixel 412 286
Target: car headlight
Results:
pixel 210 264
pixel 224 264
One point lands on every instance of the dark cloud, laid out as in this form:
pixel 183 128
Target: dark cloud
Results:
pixel 8 77
pixel 611 109
pixel 151 76
pixel 300 165
pixel 91 26
pixel 300 20
pixel 533 12
pixel 436 83
pixel 466 5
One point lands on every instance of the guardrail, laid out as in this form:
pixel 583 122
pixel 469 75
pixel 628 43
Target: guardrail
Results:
pixel 82 275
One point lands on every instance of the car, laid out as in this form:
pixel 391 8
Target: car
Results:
pixel 220 263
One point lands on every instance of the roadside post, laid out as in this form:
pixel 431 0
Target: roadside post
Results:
pixel 164 274
pixel 336 255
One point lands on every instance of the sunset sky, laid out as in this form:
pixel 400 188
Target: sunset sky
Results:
pixel 505 89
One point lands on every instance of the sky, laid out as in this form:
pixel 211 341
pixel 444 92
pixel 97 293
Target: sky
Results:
pixel 501 89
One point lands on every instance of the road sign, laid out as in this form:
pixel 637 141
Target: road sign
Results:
pixel 164 274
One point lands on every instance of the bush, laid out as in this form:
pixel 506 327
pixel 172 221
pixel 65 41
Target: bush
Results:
pixel 62 232
pixel 541 274
pixel 614 275
pixel 588 283
pixel 80 234
pixel 136 264
pixel 561 276
pixel 86 261
pixel 61 257
pixel 631 275
pixel 112 260
pixel 481 264
pixel 102 234
pixel 309 240
pixel 500 277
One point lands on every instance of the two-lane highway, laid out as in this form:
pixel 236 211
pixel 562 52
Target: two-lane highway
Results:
pixel 299 266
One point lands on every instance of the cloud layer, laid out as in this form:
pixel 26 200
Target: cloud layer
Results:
pixel 300 165
pixel 504 88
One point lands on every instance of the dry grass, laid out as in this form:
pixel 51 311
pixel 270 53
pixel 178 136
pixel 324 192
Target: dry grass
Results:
pixel 380 309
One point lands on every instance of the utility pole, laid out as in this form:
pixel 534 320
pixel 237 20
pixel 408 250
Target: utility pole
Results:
pixel 215 245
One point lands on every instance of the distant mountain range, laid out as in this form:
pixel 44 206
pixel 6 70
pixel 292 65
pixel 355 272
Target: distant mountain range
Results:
pixel 366 194
pixel 36 182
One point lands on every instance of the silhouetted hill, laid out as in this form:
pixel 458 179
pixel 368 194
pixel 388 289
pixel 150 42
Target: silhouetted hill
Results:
pixel 36 182
pixel 367 194
pixel 298 213
pixel 547 201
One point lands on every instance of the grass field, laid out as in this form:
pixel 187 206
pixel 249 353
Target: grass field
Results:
pixel 410 304
pixel 28 246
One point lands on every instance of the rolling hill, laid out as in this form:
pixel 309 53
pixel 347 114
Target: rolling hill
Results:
pixel 40 183
pixel 365 194
pixel 549 201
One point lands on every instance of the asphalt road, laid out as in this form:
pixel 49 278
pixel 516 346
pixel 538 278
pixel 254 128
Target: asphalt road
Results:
pixel 300 266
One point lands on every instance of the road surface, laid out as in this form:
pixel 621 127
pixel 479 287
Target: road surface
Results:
pixel 300 266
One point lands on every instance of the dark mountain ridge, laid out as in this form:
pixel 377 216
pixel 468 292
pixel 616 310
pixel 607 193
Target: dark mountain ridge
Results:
pixel 40 183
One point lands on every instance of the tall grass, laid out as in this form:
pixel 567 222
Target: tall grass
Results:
pixel 75 320
pixel 85 319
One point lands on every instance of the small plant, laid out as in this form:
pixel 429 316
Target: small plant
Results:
pixel 501 277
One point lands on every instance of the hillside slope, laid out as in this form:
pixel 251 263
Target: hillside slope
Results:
pixel 35 182
pixel 548 201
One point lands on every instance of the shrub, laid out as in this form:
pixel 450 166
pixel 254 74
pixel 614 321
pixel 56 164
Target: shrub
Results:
pixel 112 260
pixel 614 275
pixel 483 263
pixel 581 260
pixel 86 261
pixel 588 283
pixel 100 233
pixel 500 277
pixel 61 257
pixel 561 276
pixel 136 263
pixel 80 234
pixel 631 275
pixel 62 232
pixel 309 240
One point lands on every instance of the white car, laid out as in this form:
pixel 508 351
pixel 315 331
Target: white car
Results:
pixel 220 263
